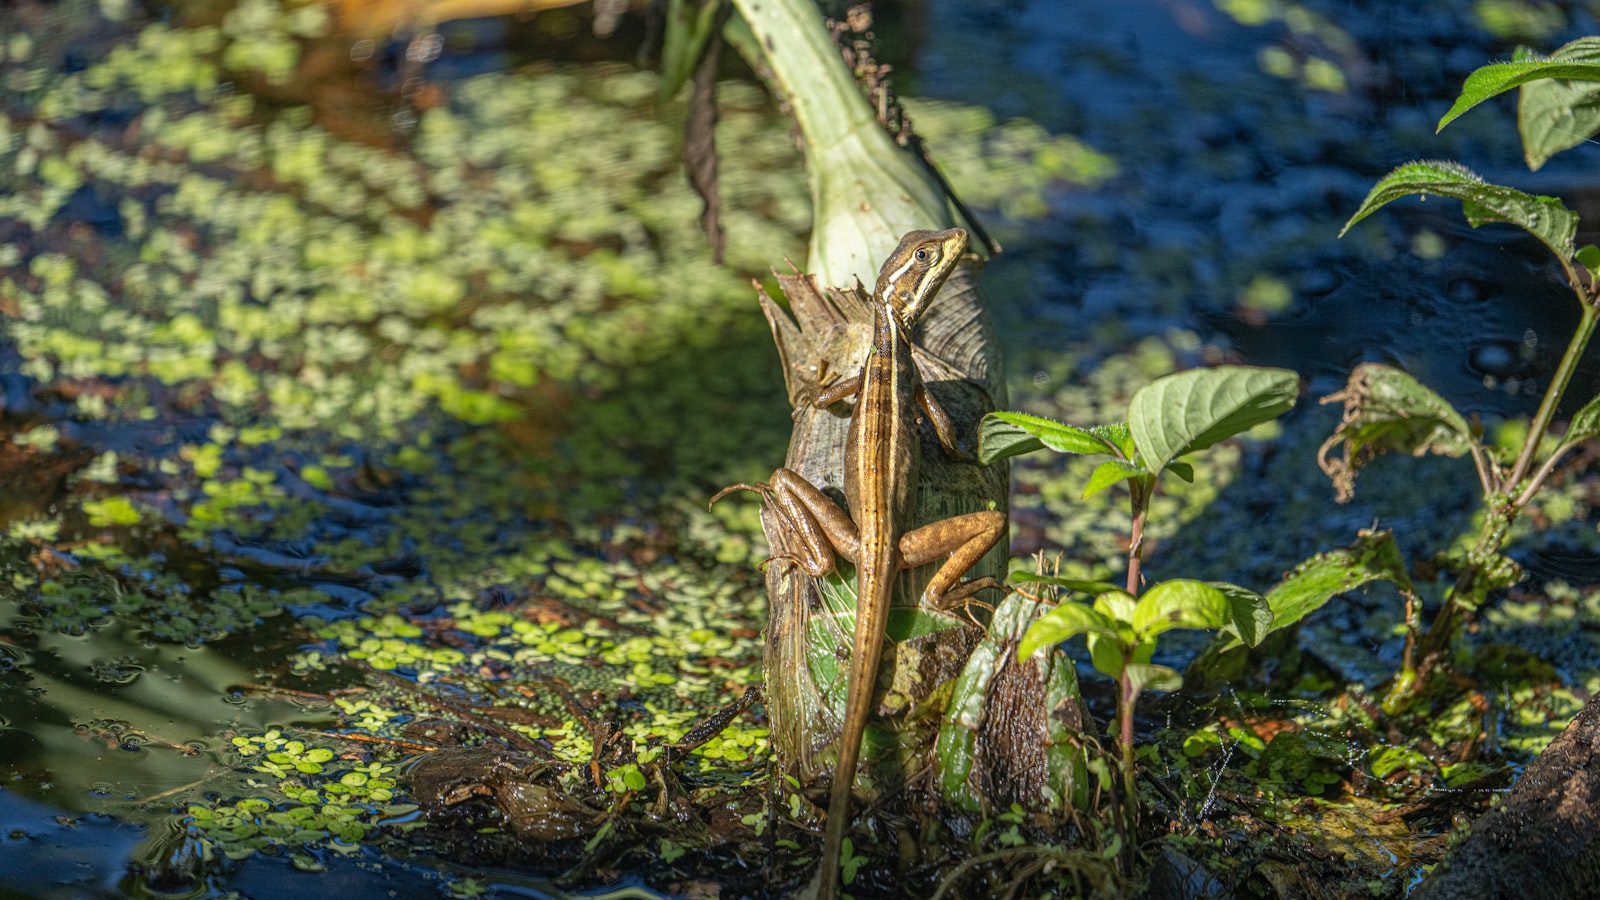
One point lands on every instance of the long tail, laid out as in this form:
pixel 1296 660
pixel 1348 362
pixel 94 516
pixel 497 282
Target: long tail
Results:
pixel 874 589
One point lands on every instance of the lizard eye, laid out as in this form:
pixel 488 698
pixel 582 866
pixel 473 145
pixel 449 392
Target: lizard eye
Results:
pixel 921 254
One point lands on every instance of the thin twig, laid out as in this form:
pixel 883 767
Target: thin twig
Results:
pixel 374 739
pixel 1486 478
pixel 1539 477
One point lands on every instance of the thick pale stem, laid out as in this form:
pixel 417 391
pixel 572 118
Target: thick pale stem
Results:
pixel 867 189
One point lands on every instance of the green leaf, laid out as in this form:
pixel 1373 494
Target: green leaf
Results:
pixel 1075 585
pixel 1002 435
pixel 1106 654
pixel 1192 410
pixel 1589 256
pixel 1556 114
pixel 1182 470
pixel 1180 603
pixel 1546 218
pixel 908 622
pixel 1388 411
pixel 1249 616
pixel 1065 621
pixel 1117 604
pixel 1108 473
pixel 688 27
pixel 1149 675
pixel 1373 557
pixel 1497 78
pixel 904 622
pixel 1585 423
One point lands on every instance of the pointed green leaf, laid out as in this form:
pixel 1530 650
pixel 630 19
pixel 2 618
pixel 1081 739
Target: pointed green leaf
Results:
pixel 1105 653
pixel 1180 603
pixel 1153 677
pixel 1075 585
pixel 1005 434
pixel 1118 435
pixel 1182 470
pixel 1373 557
pixel 1116 604
pixel 1585 423
pixel 688 27
pixel 1249 616
pixel 1192 410
pixel 1388 411
pixel 1108 473
pixel 1578 64
pixel 1546 218
pixel 1065 621
pixel 1556 114
pixel 1589 255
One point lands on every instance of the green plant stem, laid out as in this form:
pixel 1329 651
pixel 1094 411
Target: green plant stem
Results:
pixel 1127 696
pixel 1472 585
pixel 1554 393
pixel 1141 504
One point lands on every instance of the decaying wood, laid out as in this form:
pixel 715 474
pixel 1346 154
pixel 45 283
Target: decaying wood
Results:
pixel 1544 840
pixel 822 336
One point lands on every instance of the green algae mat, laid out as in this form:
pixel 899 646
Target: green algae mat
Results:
pixel 333 439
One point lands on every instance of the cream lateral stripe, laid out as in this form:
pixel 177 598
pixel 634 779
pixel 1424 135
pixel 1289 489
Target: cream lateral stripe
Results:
pixel 895 278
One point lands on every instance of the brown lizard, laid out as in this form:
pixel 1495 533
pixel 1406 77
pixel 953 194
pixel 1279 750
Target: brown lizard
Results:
pixel 882 453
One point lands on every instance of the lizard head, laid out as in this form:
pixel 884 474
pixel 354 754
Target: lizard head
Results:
pixel 917 268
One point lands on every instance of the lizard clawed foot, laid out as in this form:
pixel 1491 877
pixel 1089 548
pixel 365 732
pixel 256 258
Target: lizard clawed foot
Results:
pixel 789 558
pixel 759 487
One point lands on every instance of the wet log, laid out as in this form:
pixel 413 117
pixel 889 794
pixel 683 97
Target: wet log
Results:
pixel 1544 840
pixel 867 189
pixel 826 333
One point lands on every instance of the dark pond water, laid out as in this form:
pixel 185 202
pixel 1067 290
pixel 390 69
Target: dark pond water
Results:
pixel 311 436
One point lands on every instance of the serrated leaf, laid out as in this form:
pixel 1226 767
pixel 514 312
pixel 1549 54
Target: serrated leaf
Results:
pixel 1108 473
pixel 1497 78
pixel 1190 411
pixel 1002 435
pixel 1546 218
pixel 1585 422
pixel 1556 114
pixel 1065 621
pixel 1149 676
pixel 1388 411
pixel 1076 585
pixel 1373 557
pixel 1179 603
pixel 1249 616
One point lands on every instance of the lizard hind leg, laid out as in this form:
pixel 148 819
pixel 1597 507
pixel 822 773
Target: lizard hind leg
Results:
pixel 814 526
pixel 965 539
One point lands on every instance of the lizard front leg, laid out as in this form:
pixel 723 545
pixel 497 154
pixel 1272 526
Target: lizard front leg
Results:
pixel 965 539
pixel 820 526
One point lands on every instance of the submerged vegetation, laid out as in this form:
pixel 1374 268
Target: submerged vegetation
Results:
pixel 358 427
